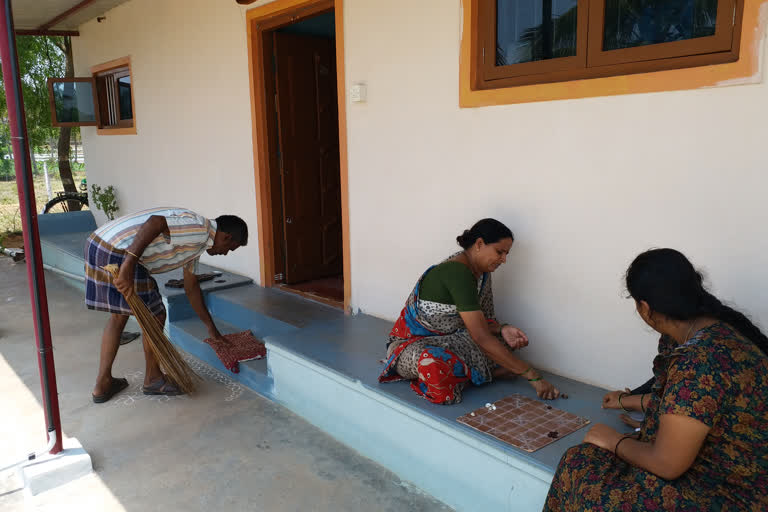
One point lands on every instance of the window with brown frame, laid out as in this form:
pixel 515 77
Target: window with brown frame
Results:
pixel 113 89
pixel 522 42
pixel 104 100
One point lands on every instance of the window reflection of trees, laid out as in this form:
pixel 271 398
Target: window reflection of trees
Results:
pixel 631 23
pixel 628 23
pixel 553 38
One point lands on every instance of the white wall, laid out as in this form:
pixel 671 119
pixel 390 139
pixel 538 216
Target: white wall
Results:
pixel 193 148
pixel 584 184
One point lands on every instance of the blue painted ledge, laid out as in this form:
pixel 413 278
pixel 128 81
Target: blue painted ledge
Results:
pixel 324 366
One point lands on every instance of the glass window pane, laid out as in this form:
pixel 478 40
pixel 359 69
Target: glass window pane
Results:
pixel 531 30
pixel 73 102
pixel 631 23
pixel 124 97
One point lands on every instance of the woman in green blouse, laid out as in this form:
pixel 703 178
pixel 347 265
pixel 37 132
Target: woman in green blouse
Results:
pixel 447 333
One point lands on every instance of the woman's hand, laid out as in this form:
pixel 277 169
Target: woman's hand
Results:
pixel 629 421
pixel 611 400
pixel 545 390
pixel 603 436
pixel 124 280
pixel 514 337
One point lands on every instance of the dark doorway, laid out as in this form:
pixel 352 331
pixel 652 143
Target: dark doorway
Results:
pixel 304 157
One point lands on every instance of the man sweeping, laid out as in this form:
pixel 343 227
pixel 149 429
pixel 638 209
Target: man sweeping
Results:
pixel 145 243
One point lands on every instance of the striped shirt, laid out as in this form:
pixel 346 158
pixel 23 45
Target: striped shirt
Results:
pixel 190 235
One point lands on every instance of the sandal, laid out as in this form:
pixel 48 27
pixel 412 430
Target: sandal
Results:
pixel 117 386
pixel 161 387
pixel 128 337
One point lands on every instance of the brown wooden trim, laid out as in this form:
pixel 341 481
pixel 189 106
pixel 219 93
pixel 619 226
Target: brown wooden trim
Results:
pixel 274 179
pixel 112 64
pixel 292 15
pixel 313 296
pixel 737 28
pixel 720 42
pixel 343 149
pixel 124 127
pixel 116 131
pixel 52 103
pixel 260 161
pixel 487 19
pixel 258 20
pixel 475 43
pixel 38 32
pixel 614 70
pixel 66 14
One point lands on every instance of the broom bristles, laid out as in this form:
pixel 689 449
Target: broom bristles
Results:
pixel 166 354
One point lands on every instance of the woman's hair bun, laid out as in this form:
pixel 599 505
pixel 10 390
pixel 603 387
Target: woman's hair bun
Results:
pixel 462 239
pixel 490 230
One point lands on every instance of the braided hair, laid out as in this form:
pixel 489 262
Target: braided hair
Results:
pixel 668 282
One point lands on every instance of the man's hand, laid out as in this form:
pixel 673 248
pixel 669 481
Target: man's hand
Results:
pixel 514 337
pixel 124 280
pixel 214 334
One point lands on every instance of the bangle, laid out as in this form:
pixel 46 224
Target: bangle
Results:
pixel 132 254
pixel 616 448
pixel 536 379
pixel 622 395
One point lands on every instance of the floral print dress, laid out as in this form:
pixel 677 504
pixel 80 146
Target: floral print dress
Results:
pixel 719 378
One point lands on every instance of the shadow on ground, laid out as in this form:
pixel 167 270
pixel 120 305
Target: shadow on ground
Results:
pixel 225 448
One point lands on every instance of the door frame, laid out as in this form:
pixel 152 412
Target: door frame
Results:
pixel 260 20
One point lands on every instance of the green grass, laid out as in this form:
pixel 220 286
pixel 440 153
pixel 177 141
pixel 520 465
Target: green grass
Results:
pixel 10 221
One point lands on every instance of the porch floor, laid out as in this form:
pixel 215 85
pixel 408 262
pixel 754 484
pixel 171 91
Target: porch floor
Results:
pixel 324 366
pixel 353 346
pixel 225 448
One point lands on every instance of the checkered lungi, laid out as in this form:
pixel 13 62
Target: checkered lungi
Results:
pixel 101 294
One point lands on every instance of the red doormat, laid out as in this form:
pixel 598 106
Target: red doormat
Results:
pixel 241 346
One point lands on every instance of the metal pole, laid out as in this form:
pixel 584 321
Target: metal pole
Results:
pixel 33 253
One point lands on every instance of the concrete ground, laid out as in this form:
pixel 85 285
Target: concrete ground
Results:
pixel 226 448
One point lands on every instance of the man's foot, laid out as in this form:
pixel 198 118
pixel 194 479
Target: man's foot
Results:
pixel 116 386
pixel 161 387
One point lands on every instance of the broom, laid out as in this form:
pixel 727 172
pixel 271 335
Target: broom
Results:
pixel 169 359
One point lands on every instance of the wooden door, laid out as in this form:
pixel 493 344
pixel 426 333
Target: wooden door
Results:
pixel 307 111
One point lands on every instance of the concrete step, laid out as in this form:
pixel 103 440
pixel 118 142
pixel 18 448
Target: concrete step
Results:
pixel 189 334
pixel 268 311
pixel 324 366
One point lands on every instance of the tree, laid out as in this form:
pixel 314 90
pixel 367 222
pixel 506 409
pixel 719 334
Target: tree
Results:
pixel 39 59
pixel 65 169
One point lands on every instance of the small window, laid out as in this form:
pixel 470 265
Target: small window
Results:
pixel 72 102
pixel 523 42
pixel 115 101
pixel 104 100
